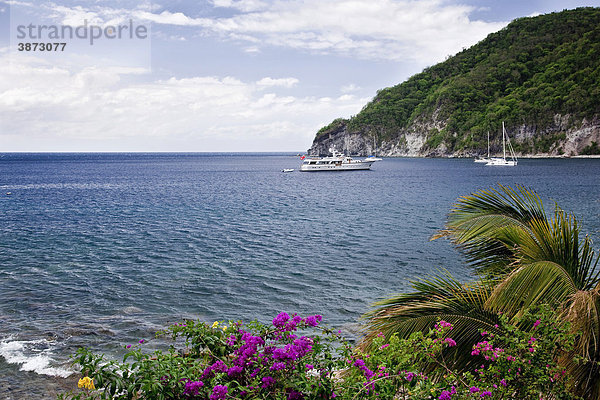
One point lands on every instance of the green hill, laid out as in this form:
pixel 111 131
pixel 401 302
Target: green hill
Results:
pixel 541 75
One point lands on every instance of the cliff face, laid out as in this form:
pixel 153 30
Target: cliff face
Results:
pixel 539 75
pixel 561 139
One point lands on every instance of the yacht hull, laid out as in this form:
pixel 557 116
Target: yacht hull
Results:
pixel 334 167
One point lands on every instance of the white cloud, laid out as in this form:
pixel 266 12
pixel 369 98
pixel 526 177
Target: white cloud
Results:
pixel 77 16
pixel 283 82
pixel 169 18
pixel 424 31
pixel 350 88
pixel 41 103
pixel 252 50
pixel 242 5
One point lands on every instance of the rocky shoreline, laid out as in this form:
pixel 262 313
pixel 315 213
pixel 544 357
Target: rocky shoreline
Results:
pixel 566 139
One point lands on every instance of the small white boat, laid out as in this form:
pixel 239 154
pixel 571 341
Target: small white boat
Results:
pixel 287 170
pixel 497 161
pixel 336 162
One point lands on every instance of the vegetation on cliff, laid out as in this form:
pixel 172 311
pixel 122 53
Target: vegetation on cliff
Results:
pixel 525 74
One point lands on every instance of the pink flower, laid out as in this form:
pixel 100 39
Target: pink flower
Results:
pixel 445 395
pixel 443 324
pixel 536 323
pixel 450 342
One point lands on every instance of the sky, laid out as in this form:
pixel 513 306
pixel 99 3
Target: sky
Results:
pixel 218 75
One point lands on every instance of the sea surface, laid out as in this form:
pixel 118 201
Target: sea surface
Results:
pixel 101 250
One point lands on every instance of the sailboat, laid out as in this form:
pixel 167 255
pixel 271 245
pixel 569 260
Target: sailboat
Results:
pixel 497 161
pixel 485 159
pixel 374 157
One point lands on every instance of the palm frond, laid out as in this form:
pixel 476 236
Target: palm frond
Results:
pixel 584 315
pixel 484 223
pixel 435 298
pixel 541 282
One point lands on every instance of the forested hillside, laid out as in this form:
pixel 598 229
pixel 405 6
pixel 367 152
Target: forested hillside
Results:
pixel 541 75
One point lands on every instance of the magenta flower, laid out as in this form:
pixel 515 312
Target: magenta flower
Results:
pixel 486 394
pixel 219 366
pixel 267 381
pixel 359 363
pixel 443 324
pixel 450 342
pixel 278 366
pixel 293 395
pixel 234 371
pixel 536 323
pixel 280 320
pixel 141 341
pixel 313 320
pixel 219 392
pixel 231 340
pixel 409 376
pixel 445 395
pixel 192 388
pixel 474 389
pixel 368 373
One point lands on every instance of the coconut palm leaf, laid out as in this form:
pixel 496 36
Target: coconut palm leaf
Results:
pixel 553 265
pixel 437 297
pixel 532 284
pixel 486 226
pixel 583 313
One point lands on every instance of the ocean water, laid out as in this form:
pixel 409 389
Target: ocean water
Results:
pixel 101 250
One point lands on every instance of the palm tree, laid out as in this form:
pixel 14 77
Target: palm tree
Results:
pixel 523 259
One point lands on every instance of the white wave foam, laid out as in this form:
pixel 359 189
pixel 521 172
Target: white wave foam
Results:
pixel 32 355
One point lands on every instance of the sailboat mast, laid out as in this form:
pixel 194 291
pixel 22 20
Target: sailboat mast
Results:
pixel 488 144
pixel 503 141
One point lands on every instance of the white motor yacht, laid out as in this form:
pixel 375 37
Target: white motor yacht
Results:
pixel 336 162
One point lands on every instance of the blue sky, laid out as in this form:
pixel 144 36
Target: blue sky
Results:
pixel 221 75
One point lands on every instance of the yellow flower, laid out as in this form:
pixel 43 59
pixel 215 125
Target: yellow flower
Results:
pixel 215 324
pixel 224 328
pixel 86 382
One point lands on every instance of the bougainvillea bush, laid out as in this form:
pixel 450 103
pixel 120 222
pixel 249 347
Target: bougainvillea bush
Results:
pixel 518 361
pixel 225 361
pixel 295 358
